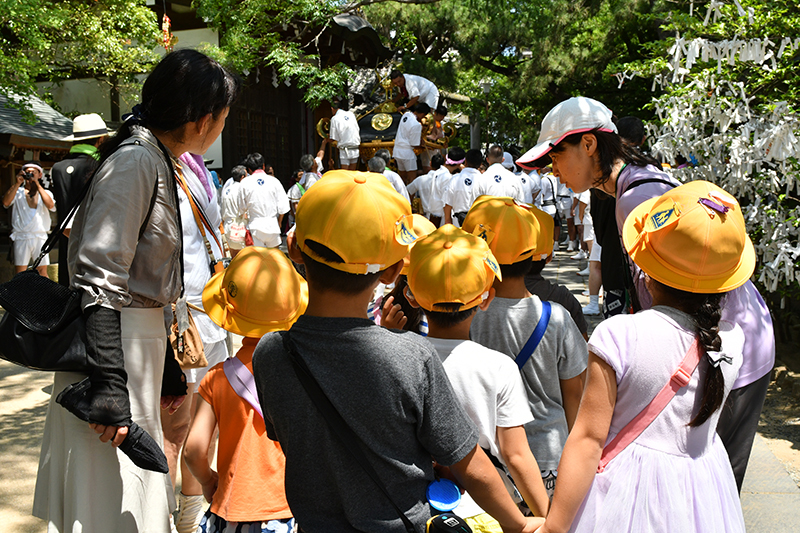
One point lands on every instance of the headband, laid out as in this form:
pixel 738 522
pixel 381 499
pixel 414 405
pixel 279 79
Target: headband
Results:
pixel 449 161
pixel 33 165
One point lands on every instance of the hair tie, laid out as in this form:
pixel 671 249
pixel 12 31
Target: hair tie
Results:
pixel 449 161
pixel 715 358
pixel 137 113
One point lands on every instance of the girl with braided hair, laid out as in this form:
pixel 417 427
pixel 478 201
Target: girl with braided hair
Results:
pixel 657 379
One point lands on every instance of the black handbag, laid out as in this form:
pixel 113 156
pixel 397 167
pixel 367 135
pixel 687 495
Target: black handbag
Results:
pixel 43 326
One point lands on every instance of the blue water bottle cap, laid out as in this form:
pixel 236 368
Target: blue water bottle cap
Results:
pixel 443 495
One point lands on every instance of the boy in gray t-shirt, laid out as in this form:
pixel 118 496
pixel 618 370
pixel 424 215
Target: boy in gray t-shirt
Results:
pixel 389 388
pixel 554 374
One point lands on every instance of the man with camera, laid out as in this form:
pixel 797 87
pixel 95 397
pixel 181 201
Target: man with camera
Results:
pixel 30 220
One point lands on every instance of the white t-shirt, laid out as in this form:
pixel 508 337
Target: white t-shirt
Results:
pixel 409 134
pixel 441 180
pixel 462 190
pixel 264 199
pixel 424 88
pixel 534 183
pixel 497 181
pixel 423 188
pixel 345 131
pixel 231 200
pixel 489 387
pixel 546 201
pixel 28 222
pixel 397 182
pixel 308 179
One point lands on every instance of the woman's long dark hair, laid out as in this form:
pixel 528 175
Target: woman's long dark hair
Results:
pixel 610 149
pixel 185 86
pixel 706 310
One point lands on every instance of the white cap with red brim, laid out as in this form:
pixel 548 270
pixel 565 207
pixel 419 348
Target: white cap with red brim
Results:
pixel 576 115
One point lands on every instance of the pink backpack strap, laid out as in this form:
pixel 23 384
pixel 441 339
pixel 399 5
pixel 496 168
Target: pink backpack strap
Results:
pixel 242 382
pixel 635 427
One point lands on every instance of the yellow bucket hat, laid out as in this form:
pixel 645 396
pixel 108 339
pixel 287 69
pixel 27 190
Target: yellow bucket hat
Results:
pixel 692 238
pixel 408 230
pixel 514 231
pixel 354 214
pixel 451 266
pixel 259 292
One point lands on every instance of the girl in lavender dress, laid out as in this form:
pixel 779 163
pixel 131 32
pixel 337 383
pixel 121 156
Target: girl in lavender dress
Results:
pixel 674 473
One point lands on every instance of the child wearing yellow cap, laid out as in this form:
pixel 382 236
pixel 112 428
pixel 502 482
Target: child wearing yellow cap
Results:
pixel 388 387
pixel 556 355
pixel 259 292
pixel 644 454
pixel 450 276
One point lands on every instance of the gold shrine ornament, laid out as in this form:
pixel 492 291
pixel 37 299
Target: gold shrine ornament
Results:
pixel 381 121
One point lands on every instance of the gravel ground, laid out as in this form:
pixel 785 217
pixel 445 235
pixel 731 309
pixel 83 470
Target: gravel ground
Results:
pixel 780 427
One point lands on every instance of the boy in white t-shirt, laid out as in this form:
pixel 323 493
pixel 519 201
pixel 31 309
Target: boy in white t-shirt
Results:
pixel 553 375
pixel 450 276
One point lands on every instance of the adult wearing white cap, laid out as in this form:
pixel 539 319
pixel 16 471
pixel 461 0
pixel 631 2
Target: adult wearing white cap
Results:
pixel 580 139
pixel 70 174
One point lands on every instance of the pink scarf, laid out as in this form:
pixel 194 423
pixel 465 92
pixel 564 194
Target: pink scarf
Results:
pixel 195 162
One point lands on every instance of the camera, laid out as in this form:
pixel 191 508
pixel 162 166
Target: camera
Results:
pixel 29 175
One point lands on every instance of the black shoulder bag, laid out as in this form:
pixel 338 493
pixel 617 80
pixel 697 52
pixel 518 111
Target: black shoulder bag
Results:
pixel 43 327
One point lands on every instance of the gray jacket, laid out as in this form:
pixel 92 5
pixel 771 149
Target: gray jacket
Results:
pixel 108 261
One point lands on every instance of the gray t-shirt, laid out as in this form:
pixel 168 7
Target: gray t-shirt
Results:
pixel 392 391
pixel 561 354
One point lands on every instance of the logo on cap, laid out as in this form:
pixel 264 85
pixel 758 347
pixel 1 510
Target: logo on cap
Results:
pixel 232 289
pixel 661 218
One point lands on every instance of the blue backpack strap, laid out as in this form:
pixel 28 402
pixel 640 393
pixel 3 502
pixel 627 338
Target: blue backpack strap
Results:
pixel 536 336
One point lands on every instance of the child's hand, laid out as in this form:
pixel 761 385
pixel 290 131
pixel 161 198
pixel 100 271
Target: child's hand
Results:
pixel 533 524
pixel 392 316
pixel 210 486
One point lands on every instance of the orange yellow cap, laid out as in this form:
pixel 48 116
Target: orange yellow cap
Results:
pixel 692 238
pixel 354 214
pixel 451 266
pixel 259 292
pixel 513 231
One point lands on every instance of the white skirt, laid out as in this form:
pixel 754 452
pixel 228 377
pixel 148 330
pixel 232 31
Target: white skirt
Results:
pixel 84 485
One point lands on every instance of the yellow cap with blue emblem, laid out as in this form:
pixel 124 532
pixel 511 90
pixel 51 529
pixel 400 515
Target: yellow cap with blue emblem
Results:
pixel 354 214
pixel 451 266
pixel 513 231
pixel 692 238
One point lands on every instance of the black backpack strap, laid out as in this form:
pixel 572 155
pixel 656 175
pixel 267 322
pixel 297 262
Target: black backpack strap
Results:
pixel 337 424
pixel 647 180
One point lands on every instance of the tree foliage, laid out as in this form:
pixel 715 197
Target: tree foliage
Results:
pixel 280 33
pixel 726 98
pixel 53 40
pixel 532 54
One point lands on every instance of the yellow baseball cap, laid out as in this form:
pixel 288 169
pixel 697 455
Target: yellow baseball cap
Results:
pixel 259 292
pixel 692 238
pixel 513 231
pixel 354 214
pixel 451 266
pixel 408 230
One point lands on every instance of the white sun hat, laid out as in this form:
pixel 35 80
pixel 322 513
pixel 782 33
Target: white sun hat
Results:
pixel 87 127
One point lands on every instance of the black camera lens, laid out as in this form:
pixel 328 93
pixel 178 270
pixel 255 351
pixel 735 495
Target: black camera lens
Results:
pixel 29 175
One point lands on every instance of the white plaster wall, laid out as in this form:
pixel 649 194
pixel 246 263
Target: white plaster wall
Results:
pixel 77 97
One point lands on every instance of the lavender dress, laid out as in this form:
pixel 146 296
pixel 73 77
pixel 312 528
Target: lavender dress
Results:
pixel 672 477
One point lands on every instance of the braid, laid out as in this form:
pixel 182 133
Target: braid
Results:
pixel 706 310
pixel 707 317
